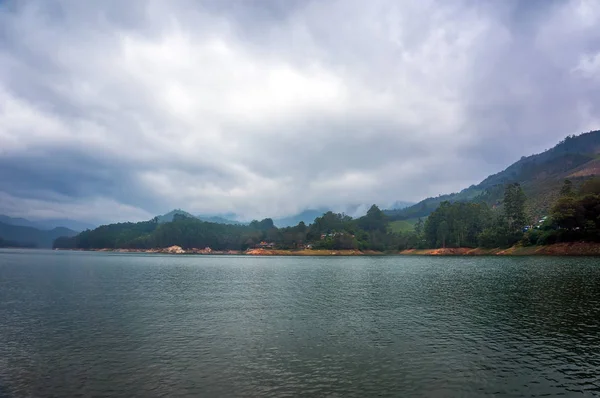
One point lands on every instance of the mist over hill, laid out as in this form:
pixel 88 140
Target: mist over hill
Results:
pixel 577 157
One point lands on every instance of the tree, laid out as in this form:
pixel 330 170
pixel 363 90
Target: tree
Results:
pixel 419 227
pixel 301 227
pixel 514 207
pixel 567 213
pixel 442 232
pixel 263 225
pixel 374 220
pixel 591 187
pixel 567 188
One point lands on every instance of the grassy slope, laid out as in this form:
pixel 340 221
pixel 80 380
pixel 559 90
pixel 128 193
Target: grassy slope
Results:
pixel 400 226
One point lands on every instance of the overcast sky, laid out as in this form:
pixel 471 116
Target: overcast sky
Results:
pixel 121 110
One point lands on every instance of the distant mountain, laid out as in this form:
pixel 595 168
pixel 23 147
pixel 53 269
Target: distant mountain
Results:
pixel 29 236
pixel 170 215
pixel 401 204
pixel 214 219
pixel 13 244
pixel 17 221
pixel 47 224
pixel 307 216
pixel 541 176
pixel 64 222
pixel 219 220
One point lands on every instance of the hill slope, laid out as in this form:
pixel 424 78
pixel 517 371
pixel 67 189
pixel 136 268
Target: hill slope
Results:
pixel 168 217
pixel 47 224
pixel 30 236
pixel 541 176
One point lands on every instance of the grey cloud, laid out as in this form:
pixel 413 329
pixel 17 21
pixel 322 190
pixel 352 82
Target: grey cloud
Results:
pixel 268 108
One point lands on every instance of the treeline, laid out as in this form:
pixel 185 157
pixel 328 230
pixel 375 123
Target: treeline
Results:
pixel 574 217
pixel 465 224
pixel 330 231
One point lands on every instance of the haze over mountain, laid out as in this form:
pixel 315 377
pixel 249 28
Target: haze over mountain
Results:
pixel 576 158
pixel 306 216
pixel 121 110
pixel 32 237
pixel 47 224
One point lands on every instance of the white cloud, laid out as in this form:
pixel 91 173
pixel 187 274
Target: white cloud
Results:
pixel 329 103
pixel 62 207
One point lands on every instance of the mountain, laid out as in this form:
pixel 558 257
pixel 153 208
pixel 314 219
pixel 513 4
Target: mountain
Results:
pixel 331 231
pixel 576 158
pixel 401 204
pixel 47 224
pixel 29 236
pixel 219 220
pixel 170 215
pixel 22 222
pixel 65 223
pixel 214 219
pixel 13 244
pixel 307 216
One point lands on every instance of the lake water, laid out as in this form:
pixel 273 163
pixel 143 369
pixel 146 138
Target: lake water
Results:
pixel 134 325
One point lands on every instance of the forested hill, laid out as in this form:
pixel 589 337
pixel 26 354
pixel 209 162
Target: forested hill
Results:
pixel 541 176
pixel 329 231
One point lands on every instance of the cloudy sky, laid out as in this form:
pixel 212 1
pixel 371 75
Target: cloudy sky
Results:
pixel 119 110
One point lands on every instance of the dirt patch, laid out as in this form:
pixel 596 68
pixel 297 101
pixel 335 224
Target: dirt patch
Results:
pixel 307 252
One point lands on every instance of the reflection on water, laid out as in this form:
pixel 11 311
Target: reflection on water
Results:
pixel 96 324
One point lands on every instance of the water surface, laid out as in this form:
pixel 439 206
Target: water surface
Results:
pixel 138 325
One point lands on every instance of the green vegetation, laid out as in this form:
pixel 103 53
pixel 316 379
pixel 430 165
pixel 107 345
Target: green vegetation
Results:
pixel 540 176
pixel 456 225
pixel 504 210
pixel 574 217
pixel 403 226
pixel 330 231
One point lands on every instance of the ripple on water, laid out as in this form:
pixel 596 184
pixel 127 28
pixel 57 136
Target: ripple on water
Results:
pixel 98 324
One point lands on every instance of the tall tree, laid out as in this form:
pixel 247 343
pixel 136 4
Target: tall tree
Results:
pixel 419 226
pixel 514 207
pixel 443 231
pixel 374 220
pixel 567 188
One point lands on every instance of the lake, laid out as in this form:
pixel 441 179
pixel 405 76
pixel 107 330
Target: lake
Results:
pixel 141 325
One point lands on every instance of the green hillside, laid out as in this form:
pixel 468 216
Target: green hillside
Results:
pixel 402 226
pixel 541 176
pixel 330 231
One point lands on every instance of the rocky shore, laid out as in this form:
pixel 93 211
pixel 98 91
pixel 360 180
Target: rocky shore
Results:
pixel 171 250
pixel 249 252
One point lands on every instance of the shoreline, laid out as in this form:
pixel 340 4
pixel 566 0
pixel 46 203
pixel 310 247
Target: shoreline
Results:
pixel 556 249
pixel 251 252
